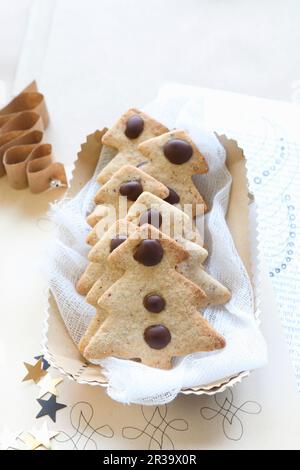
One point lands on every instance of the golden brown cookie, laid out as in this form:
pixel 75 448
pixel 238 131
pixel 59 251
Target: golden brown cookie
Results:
pixel 169 219
pixel 92 272
pixel 97 320
pixel 174 159
pixel 173 222
pixel 98 214
pixel 111 272
pixel 191 268
pixel 147 318
pixel 150 208
pixel 125 135
pixel 114 236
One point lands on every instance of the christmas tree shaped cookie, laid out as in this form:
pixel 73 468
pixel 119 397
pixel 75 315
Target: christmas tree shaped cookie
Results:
pixel 147 318
pixel 171 221
pixel 174 222
pixel 191 268
pixel 114 236
pixel 121 190
pixel 95 282
pixel 100 253
pixel 167 218
pixel 125 135
pixel 92 272
pixel 174 159
pixel 147 208
pixel 98 282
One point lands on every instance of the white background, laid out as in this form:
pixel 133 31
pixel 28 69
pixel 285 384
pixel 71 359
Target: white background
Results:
pixel 248 46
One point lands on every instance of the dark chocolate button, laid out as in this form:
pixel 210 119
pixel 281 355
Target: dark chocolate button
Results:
pixel 157 336
pixel 152 217
pixel 134 127
pixel 154 303
pixel 173 197
pixel 131 189
pixel 178 151
pixel 149 252
pixel 115 242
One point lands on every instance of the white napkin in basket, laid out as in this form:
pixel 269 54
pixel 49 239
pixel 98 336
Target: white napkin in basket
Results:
pixel 131 382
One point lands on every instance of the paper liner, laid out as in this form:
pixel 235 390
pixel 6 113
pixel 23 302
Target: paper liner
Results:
pixel 57 344
pixel 26 161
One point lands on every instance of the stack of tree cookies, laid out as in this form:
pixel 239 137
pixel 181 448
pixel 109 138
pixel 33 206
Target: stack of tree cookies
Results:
pixel 145 275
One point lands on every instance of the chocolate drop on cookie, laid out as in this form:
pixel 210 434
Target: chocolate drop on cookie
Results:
pixel 178 151
pixel 157 336
pixel 115 242
pixel 152 217
pixel 173 197
pixel 134 127
pixel 149 252
pixel 131 189
pixel 154 303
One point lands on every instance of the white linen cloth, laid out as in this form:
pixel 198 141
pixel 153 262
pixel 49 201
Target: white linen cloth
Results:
pixel 131 382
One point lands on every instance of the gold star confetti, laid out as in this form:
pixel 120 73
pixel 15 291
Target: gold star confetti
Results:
pixel 38 437
pixel 35 372
pixel 48 385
